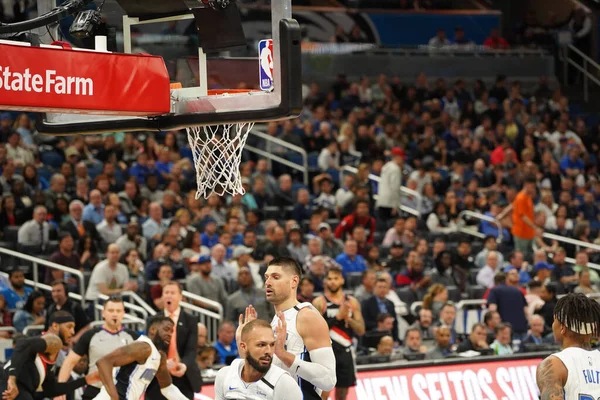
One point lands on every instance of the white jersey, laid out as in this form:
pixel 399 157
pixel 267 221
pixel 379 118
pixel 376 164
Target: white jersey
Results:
pixel 275 385
pixel 295 345
pixel 133 379
pixel 583 367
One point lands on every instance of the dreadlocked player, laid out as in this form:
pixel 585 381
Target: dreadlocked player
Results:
pixel 573 373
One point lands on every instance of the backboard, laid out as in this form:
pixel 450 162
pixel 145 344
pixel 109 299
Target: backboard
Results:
pixel 198 46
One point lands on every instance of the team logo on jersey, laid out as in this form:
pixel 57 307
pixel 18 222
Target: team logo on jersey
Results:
pixel 265 57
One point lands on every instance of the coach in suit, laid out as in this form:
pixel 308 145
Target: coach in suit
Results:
pixel 378 304
pixel 76 226
pixel 184 345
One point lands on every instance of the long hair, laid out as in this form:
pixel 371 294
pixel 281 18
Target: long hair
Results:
pixel 580 314
pixel 433 291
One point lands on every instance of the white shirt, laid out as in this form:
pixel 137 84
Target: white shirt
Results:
pixel 583 367
pixel 102 273
pixel 390 186
pixel 485 277
pixel 110 233
pixel 276 384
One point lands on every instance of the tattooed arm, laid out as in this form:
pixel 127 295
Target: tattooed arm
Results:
pixel 551 378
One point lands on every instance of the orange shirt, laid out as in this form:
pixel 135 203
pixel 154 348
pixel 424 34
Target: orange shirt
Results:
pixel 522 206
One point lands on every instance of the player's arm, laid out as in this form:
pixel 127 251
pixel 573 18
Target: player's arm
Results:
pixel 356 322
pixel 79 349
pixel 165 382
pixel 551 377
pixel 53 388
pixel 287 389
pixel 313 329
pixel 134 352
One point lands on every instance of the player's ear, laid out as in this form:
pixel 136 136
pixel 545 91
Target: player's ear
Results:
pixel 243 346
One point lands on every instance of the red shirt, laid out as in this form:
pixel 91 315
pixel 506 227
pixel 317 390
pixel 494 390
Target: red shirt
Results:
pixel 497 43
pixel 349 222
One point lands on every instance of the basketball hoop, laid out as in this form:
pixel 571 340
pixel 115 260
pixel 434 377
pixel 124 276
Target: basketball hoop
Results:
pixel 217 152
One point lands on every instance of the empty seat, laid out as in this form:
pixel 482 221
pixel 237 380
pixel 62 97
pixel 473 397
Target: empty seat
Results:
pixel 454 294
pixel 353 279
pixel 11 234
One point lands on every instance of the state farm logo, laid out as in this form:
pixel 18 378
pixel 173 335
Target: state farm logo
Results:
pixel 51 83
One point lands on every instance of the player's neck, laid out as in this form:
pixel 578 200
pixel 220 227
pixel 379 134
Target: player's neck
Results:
pixel 335 297
pixel 287 304
pixel 582 342
pixel 250 375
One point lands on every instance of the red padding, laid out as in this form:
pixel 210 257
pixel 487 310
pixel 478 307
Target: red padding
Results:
pixel 71 81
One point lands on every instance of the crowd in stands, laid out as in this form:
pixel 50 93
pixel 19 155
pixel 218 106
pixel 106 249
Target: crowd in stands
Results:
pixel 121 208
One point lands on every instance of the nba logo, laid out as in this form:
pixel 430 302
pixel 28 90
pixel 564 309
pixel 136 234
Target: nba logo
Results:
pixel 265 57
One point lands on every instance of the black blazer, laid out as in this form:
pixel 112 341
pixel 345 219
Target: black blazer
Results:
pixel 187 346
pixel 370 311
pixel 90 229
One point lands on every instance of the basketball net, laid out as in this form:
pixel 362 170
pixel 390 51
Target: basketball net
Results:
pixel 217 152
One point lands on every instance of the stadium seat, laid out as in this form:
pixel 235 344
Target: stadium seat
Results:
pixel 11 234
pixel 353 280
pixel 406 295
pixel 476 291
pixel 454 294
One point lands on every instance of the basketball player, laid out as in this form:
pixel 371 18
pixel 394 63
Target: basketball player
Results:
pixel 98 342
pixel 572 373
pixel 139 362
pixel 30 369
pixel 344 318
pixel 255 377
pixel 307 354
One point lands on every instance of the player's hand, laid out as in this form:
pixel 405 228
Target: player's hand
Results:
pixel 12 391
pixel 249 315
pixel 178 370
pixel 280 336
pixel 344 311
pixel 92 378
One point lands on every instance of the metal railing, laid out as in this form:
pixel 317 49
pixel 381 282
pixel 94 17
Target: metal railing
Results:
pixel 482 217
pixel 34 328
pixel 302 168
pixel 209 318
pixel 587 62
pixel 404 189
pixel 39 261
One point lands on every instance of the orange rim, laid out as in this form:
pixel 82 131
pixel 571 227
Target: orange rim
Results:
pixel 217 92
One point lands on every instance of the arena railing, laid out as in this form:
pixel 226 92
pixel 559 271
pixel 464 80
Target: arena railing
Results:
pixel 273 157
pixel 404 189
pixel 483 217
pixel 584 69
pixel 36 261
pixel 209 318
pixel 141 310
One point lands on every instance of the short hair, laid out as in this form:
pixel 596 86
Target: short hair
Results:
pixel 361 201
pixel 157 320
pixel 174 283
pixel 335 270
pixel 478 325
pixel 14 271
pixel 114 299
pixel 289 264
pixel 530 179
pixel 409 330
pixel 76 203
pixel 533 284
pixel 502 326
pixel 63 283
pixel 448 304
pixel 488 316
pixel 383 316
pixel 257 323
pixel 551 288
pixel 224 323
pixel 499 278
pixel 307 279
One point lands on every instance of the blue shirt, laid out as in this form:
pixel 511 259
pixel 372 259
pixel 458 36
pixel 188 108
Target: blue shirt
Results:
pixel 348 265
pixel 490 229
pixel 224 353
pixel 140 173
pixel 13 300
pixel 209 241
pixel 93 214
pixel 511 304
pixel 567 163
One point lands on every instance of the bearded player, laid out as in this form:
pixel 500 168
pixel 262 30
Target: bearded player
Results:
pixel 307 354
pixel 573 372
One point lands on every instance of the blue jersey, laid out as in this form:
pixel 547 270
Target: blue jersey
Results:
pixel 15 302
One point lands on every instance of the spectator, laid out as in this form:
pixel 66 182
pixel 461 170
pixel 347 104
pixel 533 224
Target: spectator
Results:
pixel 446 273
pixel 536 331
pixel 377 304
pixel 61 301
pixel 94 211
pixel 35 232
pixel 447 317
pixel 9 215
pixel 543 271
pixel 203 283
pixel 76 225
pixel 367 284
pixel 5 318
pixel 395 261
pixel 303 210
pixel 155 226
pixel 581 264
pixel 510 302
pixel 496 42
pixel 242 258
pixel 359 217
pixel 388 200
pixel 165 276
pixel 517 262
pixel 424 323
pixel 489 244
pixel 284 196
pixel 64 256
pixel 220 267
pixel 413 276
pixel 33 312
pixel 476 341
pixel 318 268
pixel 226 346
pixel 548 295
pixel 275 242
pixel 523 229
pixel 413 343
pixel 440 40
pixel 491 321
pixel 306 290
pixel 248 294
pixel 485 276
pixel 439 221
pixel 110 231
pixel 109 276
pixel 16 295
pixel 461 42
pixel 295 246
pixel 394 234
pixel 463 258
pixel 350 260
pixel 501 345
pixel 331 246
pixel 434 300
pixel 89 253
pixel 585 284
pixel 325 199
pixel 133 240
pixel 442 347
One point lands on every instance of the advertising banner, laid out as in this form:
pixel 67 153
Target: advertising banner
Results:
pixel 502 380
pixel 55 80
